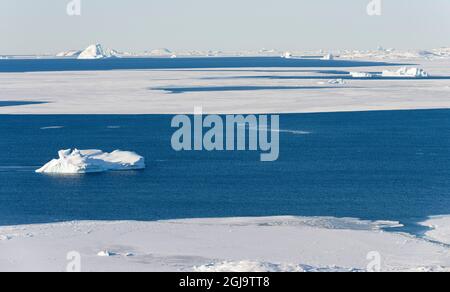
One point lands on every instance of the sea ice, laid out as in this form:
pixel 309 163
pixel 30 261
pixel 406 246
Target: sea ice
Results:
pixel 88 161
pixel 262 267
pixel 439 229
pixel 337 81
pixel 52 127
pixel 406 72
pixel 291 244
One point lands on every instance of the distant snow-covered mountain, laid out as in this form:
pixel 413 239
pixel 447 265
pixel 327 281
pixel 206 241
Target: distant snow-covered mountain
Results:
pixel 93 52
pixel 159 53
pixel 392 54
pixel 67 54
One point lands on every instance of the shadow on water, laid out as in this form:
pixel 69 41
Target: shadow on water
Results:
pixel 42 65
pixel 178 90
pixel 337 72
pixel 19 103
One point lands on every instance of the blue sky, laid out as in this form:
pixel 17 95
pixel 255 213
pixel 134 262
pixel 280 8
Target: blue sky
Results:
pixel 30 26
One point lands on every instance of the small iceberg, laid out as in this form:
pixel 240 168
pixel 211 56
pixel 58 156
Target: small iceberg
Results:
pixel 91 161
pixel 361 75
pixel 406 72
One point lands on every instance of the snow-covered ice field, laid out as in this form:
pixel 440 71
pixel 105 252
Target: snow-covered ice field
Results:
pixel 221 91
pixel 238 244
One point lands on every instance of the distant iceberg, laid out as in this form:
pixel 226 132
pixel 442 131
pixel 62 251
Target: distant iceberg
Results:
pixel 361 75
pixel 406 72
pixel 90 161
pixel 93 52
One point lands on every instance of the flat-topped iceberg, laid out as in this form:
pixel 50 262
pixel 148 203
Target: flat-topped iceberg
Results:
pixel 74 53
pixel 406 72
pixel 89 161
pixel 361 75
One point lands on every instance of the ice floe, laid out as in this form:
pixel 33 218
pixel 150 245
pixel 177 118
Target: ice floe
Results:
pixel 404 72
pixel 52 128
pixel 262 267
pixel 291 244
pixel 89 161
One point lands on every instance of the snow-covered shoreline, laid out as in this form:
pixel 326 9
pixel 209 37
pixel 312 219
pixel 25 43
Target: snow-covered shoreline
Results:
pixel 228 244
pixel 439 229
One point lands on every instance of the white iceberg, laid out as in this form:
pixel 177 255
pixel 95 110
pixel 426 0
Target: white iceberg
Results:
pixel 93 52
pixel 287 55
pixel 361 75
pixel 406 72
pixel 89 161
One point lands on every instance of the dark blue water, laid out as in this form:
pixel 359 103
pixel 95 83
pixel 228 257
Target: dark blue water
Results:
pixel 17 103
pixel 43 65
pixel 392 165
pixel 176 90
